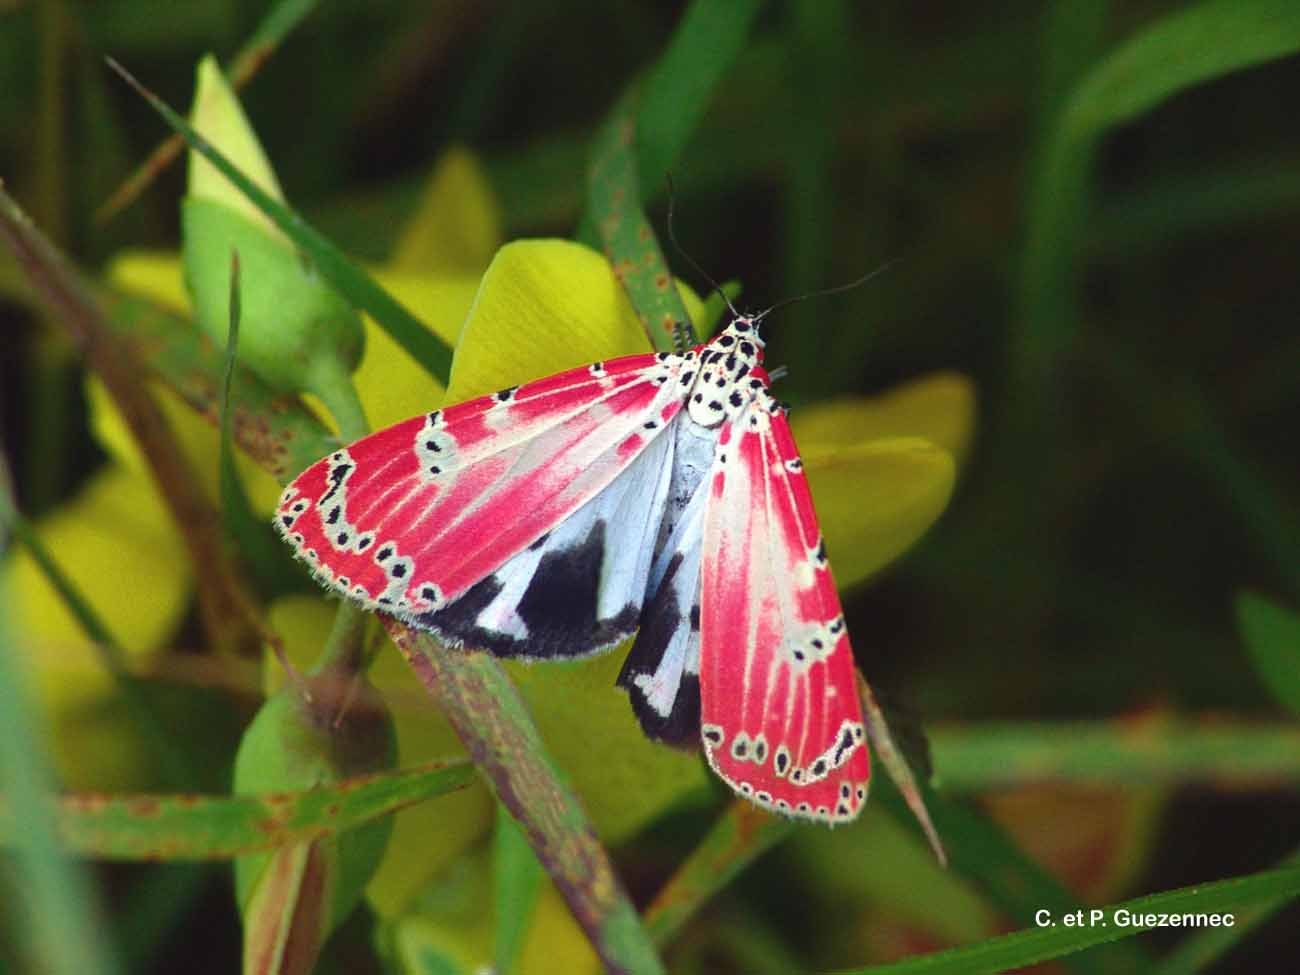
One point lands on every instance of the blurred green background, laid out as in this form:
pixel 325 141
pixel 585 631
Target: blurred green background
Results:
pixel 1123 297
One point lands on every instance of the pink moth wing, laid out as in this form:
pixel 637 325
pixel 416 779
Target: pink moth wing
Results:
pixel 781 720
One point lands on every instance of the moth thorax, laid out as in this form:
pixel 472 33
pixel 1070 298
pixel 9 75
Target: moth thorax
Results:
pixel 728 375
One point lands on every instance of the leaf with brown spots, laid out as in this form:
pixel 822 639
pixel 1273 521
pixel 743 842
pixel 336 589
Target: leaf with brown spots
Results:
pixel 190 827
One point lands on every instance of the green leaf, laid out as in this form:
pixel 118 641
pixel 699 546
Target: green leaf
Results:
pixel 259 550
pixel 517 882
pixel 351 281
pixel 1272 635
pixel 188 827
pixel 1056 940
pixel 614 206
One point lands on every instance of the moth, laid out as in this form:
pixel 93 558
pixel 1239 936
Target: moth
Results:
pixel 660 495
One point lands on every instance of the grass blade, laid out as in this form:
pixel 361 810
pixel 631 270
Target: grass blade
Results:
pixel 706 43
pixel 188 827
pixel 1200 950
pixel 741 835
pixel 1272 635
pixel 1210 751
pixel 614 205
pixel 1033 945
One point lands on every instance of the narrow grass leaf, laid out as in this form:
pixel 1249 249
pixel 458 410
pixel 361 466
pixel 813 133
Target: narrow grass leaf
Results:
pixel 190 827
pixel 614 206
pixel 1200 950
pixel 255 542
pixel 1272 635
pixel 1182 206
pixel 706 43
pixel 1115 922
pixel 740 836
pixel 638 145
pixel 1207 751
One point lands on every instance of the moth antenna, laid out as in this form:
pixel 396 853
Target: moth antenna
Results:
pixel 780 372
pixel 681 250
pixel 838 289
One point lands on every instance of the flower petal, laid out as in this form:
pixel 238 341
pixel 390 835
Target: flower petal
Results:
pixel 391 384
pixel 875 499
pixel 219 118
pixel 116 543
pixel 157 275
pixel 545 306
pixel 457 223
pixel 939 407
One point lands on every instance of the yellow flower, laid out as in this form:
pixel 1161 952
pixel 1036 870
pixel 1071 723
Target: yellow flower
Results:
pixel 116 542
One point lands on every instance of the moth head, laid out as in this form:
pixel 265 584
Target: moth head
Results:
pixel 743 337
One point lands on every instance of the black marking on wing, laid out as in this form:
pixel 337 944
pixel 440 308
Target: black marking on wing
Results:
pixel 558 608
pixel 660 620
